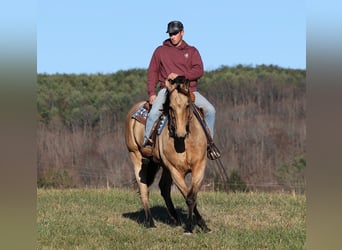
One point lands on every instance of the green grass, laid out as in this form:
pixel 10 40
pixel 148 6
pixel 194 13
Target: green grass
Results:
pixel 112 219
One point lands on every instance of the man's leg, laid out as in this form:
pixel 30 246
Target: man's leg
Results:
pixel 153 116
pixel 209 111
pixel 154 113
pixel 213 152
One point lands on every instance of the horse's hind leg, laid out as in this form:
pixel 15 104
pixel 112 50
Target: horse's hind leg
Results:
pixel 165 188
pixel 149 222
pixel 141 175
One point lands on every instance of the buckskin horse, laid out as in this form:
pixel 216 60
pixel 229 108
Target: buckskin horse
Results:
pixel 180 149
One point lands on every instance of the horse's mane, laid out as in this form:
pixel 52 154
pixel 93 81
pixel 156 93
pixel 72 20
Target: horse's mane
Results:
pixel 182 86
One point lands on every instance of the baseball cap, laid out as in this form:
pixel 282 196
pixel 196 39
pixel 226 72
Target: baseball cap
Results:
pixel 174 26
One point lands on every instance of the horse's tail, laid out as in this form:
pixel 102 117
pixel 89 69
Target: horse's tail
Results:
pixel 151 171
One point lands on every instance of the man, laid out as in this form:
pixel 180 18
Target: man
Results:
pixel 174 58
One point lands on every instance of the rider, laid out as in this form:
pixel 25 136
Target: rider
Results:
pixel 174 58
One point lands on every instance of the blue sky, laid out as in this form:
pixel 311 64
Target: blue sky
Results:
pixel 104 36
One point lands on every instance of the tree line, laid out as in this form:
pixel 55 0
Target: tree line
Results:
pixel 260 127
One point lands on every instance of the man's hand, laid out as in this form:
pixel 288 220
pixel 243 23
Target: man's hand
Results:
pixel 172 76
pixel 152 98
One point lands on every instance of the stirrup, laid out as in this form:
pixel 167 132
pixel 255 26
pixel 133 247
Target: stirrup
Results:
pixel 147 148
pixel 213 153
pixel 147 151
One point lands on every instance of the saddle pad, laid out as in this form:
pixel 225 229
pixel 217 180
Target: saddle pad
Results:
pixel 140 114
pixel 161 123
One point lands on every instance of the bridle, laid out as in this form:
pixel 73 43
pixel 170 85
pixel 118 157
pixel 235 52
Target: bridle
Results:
pixel 185 91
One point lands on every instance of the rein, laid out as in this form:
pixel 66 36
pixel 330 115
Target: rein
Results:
pixel 172 120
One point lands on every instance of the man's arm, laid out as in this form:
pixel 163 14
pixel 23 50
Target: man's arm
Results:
pixel 196 70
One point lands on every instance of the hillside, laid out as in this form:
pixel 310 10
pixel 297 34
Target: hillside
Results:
pixel 260 127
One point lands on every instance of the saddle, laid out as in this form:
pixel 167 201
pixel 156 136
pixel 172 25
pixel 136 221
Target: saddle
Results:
pixel 141 114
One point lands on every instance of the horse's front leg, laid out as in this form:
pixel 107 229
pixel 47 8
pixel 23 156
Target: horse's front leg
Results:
pixel 200 222
pixel 194 216
pixel 191 202
pixel 190 197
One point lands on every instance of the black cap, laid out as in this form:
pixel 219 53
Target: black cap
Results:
pixel 174 26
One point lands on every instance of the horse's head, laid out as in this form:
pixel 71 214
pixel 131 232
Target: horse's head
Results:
pixel 179 106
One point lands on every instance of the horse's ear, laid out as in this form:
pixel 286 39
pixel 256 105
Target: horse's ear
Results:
pixel 185 85
pixel 169 86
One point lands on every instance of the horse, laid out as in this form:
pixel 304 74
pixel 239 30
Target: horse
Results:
pixel 179 150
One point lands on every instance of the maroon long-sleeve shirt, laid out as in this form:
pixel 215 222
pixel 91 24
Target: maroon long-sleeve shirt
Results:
pixel 184 60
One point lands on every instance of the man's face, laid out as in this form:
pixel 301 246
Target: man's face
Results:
pixel 176 37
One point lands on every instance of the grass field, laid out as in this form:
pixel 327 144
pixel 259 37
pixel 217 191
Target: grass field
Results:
pixel 112 219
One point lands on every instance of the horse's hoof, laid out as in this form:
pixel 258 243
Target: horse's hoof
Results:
pixel 149 225
pixel 187 230
pixel 174 223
